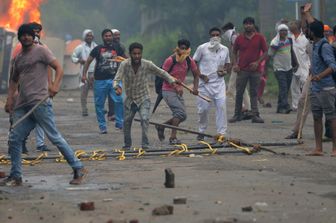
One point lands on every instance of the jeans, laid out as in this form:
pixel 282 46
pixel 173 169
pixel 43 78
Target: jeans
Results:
pixel 102 88
pixel 284 81
pixel 144 112
pixel 254 80
pixel 44 116
pixel 39 136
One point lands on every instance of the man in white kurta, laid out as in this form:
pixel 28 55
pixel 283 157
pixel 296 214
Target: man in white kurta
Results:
pixel 213 60
pixel 301 47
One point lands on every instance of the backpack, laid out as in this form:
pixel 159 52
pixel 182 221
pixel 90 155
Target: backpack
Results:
pixel 159 80
pixel 320 55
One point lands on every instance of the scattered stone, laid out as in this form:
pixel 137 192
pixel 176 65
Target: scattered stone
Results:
pixel 163 210
pixel 218 202
pixel 218 220
pixel 180 200
pixel 87 206
pixel 247 209
pixel 134 221
pixel 10 217
pixel 108 199
pixel 141 209
pixel 146 204
pixel 42 197
pixel 117 221
pixel 41 218
pixel 170 178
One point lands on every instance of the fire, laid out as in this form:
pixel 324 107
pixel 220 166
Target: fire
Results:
pixel 20 11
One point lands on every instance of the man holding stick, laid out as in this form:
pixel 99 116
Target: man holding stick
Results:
pixel 213 61
pixel 134 72
pixel 30 73
pixel 178 66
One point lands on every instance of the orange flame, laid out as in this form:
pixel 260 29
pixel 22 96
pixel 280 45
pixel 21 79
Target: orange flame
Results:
pixel 21 11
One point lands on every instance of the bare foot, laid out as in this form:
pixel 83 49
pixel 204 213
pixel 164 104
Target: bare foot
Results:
pixel 333 153
pixel 315 153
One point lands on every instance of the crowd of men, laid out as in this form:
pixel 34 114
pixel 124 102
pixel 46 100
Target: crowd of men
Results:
pixel 301 53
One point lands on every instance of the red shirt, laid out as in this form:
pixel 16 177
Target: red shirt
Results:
pixel 179 71
pixel 249 50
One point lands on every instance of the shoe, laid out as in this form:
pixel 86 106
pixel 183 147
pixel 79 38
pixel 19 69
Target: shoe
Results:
pixel 174 141
pixel 79 175
pixel 284 111
pixel 24 149
pixel 103 131
pixel 257 119
pixel 127 148
pixel 11 182
pixel 235 118
pixel 42 148
pixel 246 115
pixel 160 132
pixel 294 135
pixel 84 114
pixel 200 137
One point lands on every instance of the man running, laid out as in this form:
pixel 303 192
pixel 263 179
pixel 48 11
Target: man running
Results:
pixel 30 73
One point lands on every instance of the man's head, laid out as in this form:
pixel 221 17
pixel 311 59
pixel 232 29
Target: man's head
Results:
pixel 295 26
pixel 37 28
pixel 227 27
pixel 316 30
pixel 26 35
pixel 183 44
pixel 283 31
pixel 248 24
pixel 107 36
pixel 215 32
pixel 116 35
pixel 135 51
pixel 88 36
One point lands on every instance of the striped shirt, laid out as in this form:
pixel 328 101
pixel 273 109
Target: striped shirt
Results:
pixel 136 85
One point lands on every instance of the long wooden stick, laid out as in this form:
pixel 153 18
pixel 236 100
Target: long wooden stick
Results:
pixel 199 95
pixel 29 113
pixel 302 117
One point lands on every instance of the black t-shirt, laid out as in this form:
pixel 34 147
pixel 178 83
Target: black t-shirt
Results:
pixel 106 68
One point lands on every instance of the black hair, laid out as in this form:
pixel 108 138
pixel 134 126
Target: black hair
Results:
pixel 36 26
pixel 249 20
pixel 135 45
pixel 106 31
pixel 334 30
pixel 227 26
pixel 215 29
pixel 317 28
pixel 183 42
pixel 25 28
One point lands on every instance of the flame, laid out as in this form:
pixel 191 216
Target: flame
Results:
pixel 21 11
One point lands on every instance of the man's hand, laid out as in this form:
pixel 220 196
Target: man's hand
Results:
pixel 84 79
pixel 9 106
pixel 236 68
pixel 178 88
pixel 194 91
pixel 118 90
pixel 254 66
pixel 307 7
pixel 81 61
pixel 204 78
pixel 316 78
pixel 53 90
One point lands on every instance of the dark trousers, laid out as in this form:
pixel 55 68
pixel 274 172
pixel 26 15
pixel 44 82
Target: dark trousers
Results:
pixel 254 80
pixel 284 81
pixel 110 107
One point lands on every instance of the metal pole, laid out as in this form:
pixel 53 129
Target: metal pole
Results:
pixel 297 10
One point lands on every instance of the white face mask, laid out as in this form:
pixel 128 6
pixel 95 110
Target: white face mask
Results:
pixel 214 42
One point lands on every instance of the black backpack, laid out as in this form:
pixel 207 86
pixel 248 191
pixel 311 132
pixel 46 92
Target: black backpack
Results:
pixel 320 55
pixel 159 80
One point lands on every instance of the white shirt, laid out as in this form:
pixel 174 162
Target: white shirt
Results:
pixel 301 49
pixel 208 63
pixel 83 51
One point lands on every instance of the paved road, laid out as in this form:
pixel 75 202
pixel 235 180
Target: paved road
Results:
pixel 289 187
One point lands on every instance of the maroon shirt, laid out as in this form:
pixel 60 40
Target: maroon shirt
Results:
pixel 249 50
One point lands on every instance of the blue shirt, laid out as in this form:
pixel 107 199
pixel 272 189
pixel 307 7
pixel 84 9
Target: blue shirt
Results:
pixel 319 65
